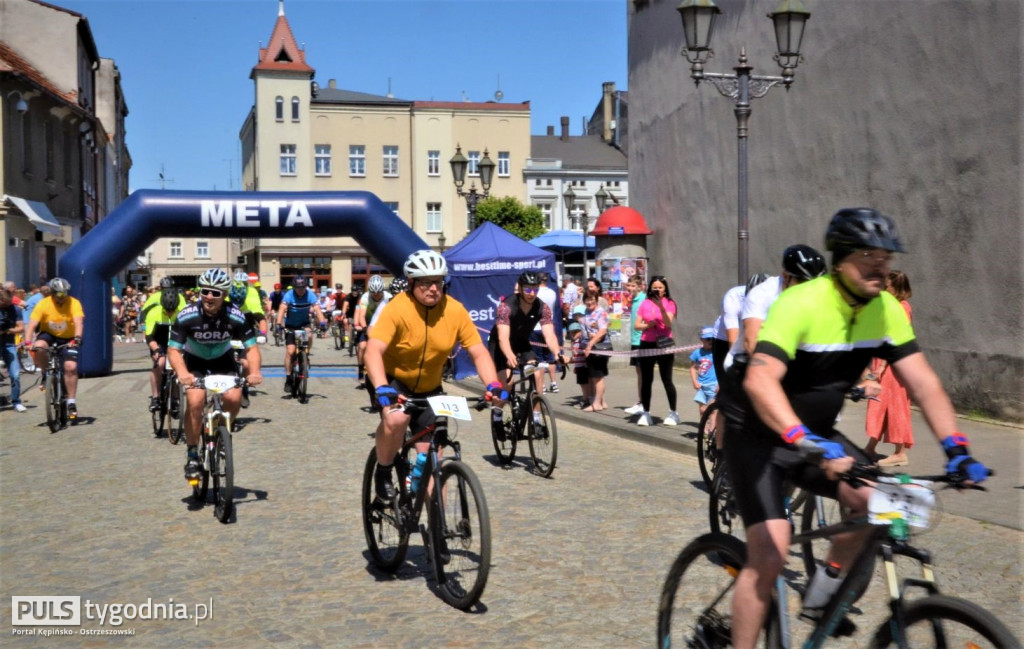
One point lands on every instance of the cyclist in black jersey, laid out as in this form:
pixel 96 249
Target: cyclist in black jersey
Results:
pixel 814 346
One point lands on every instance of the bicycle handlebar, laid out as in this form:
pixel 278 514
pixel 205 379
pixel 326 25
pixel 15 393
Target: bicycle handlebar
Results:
pixel 200 383
pixel 859 473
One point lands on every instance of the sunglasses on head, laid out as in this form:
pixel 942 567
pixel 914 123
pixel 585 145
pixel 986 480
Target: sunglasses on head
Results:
pixel 211 292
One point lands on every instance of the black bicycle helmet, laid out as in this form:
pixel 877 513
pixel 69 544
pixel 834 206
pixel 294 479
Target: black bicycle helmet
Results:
pixel 398 285
pixel 529 278
pixel 754 280
pixel 862 227
pixel 166 283
pixel 169 299
pixel 299 282
pixel 803 262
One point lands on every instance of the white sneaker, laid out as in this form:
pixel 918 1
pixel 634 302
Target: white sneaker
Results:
pixel 645 419
pixel 672 419
pixel 20 407
pixel 635 409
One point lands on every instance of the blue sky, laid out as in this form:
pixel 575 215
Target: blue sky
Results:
pixel 185 64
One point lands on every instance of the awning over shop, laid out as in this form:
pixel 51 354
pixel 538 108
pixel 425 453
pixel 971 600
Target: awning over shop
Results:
pixel 37 213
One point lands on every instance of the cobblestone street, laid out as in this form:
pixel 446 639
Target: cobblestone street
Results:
pixel 101 510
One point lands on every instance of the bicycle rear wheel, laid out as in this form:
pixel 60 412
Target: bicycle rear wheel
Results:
pixel 202 488
pixel 338 340
pixel 53 402
pixel 463 556
pixel 385 534
pixel 159 416
pixel 504 432
pixel 222 468
pixel 696 599
pixel 947 622
pixel 278 336
pixel 723 514
pixel 707 451
pixel 543 438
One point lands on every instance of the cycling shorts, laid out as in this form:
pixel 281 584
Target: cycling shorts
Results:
pixel 422 418
pixel 540 347
pixel 719 350
pixel 161 332
pixel 289 336
pixel 220 365
pixel 501 363
pixel 760 464
pixel 361 336
pixel 69 353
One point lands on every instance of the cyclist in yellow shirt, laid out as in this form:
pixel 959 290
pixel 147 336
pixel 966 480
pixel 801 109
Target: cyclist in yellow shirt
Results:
pixel 60 321
pixel 158 313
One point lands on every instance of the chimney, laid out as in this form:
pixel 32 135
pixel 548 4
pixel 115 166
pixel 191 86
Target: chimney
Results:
pixel 551 130
pixel 565 128
pixel 332 83
pixel 608 88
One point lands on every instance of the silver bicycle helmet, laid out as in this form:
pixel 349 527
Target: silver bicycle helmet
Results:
pixel 241 276
pixel 425 263
pixel 215 278
pixel 376 284
pixel 60 285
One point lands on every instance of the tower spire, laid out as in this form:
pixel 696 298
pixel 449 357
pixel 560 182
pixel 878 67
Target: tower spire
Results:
pixel 280 7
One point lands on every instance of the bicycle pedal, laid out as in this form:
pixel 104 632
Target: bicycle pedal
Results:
pixel 193 482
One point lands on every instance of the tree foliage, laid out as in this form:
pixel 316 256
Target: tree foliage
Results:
pixel 524 221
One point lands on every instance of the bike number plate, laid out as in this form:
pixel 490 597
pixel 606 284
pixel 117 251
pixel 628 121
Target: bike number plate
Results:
pixel 220 382
pixel 446 405
pixel 911 502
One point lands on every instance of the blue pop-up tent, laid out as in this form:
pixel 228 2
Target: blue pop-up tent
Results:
pixel 483 269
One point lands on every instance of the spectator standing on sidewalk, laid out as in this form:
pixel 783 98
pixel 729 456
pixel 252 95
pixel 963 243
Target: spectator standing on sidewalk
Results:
pixel 702 371
pixel 570 298
pixel 888 417
pixel 595 334
pixel 654 320
pixel 579 361
pixel 635 286
pixel 11 325
pixel 593 287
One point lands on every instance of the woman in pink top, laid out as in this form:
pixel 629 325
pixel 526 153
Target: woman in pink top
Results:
pixel 654 318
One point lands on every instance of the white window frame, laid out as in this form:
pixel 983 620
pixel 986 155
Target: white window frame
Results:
pixel 433 163
pixel 322 159
pixel 473 166
pixel 546 210
pixel 389 160
pixel 393 206
pixel 202 249
pixel 289 163
pixel 434 217
pixel 504 164
pixel 174 250
pixel 357 161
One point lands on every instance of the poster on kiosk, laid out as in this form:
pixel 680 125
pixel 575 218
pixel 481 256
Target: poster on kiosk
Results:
pixel 613 274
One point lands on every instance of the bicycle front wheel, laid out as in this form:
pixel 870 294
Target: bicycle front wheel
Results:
pixel 159 415
pixel 303 379
pixel 385 534
pixel 696 600
pixel 504 433
pixel 222 468
pixel 946 622
pixel 176 432
pixel 462 538
pixel 338 340
pixel 543 439
pixel 53 402
pixel 202 488
pixel 707 450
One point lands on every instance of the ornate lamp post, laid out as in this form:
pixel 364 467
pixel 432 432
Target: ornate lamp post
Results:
pixel 698 25
pixel 485 167
pixel 581 220
pixel 441 240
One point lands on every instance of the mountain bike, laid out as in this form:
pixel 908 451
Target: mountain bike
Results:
pixel 215 446
pixel 338 333
pixel 300 366
pixel 57 417
pixel 457 536
pixel 708 453
pixel 168 409
pixel 526 415
pixel 278 335
pixel 696 598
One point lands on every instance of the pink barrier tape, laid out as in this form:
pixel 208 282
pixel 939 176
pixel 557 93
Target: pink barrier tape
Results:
pixel 656 351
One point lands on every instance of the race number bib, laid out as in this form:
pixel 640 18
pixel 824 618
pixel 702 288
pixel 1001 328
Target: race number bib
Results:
pixel 912 502
pixel 446 405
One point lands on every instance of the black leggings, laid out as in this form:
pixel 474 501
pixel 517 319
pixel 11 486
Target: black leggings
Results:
pixel 664 362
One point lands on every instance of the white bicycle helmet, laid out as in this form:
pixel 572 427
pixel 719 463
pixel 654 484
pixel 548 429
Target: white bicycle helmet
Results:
pixel 425 263
pixel 376 284
pixel 241 276
pixel 215 278
pixel 60 285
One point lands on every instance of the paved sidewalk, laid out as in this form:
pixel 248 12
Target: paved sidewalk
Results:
pixel 999 446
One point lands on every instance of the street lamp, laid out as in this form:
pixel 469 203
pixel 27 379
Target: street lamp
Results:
pixel 699 17
pixel 569 197
pixel 441 240
pixel 485 167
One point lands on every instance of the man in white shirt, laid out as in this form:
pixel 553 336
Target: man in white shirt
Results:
pixel 548 296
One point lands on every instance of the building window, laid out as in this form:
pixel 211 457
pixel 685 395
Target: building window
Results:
pixel 545 210
pixel 357 160
pixel 26 143
pixel 549 182
pixel 393 206
pixel 287 159
pixel 538 182
pixel 504 165
pixel 69 146
pixel 473 168
pixel 279 109
pixel 174 250
pixel 50 148
pixel 323 159
pixel 390 160
pixel 433 217
pixel 576 216
pixel 295 109
pixel 433 163
pixel 202 249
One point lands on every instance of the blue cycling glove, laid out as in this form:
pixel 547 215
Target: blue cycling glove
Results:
pixel 386 396
pixel 811 445
pixel 958 450
pixel 495 391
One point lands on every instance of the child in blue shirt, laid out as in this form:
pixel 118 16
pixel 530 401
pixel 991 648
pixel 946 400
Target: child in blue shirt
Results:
pixel 702 370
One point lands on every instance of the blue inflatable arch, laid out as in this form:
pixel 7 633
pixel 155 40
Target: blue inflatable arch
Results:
pixel 148 215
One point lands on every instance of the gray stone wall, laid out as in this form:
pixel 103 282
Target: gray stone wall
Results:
pixel 910 107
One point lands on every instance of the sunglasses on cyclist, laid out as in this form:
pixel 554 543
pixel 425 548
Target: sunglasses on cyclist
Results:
pixel 427 282
pixel 60 296
pixel 530 290
pixel 211 292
